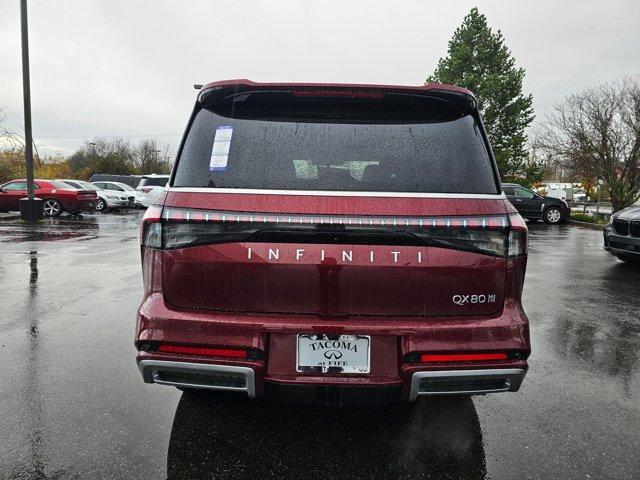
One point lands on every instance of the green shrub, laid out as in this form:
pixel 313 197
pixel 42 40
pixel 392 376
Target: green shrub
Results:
pixel 598 218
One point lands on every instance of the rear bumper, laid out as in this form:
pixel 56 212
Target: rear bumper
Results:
pixel 87 204
pixel 242 379
pixel 71 205
pixel 394 375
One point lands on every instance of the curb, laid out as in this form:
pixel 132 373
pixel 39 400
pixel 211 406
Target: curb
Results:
pixel 592 226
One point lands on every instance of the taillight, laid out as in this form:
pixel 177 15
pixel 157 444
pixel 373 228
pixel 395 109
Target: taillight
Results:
pixel 238 353
pixel 457 357
pixel 204 351
pixel 182 228
pixel 518 236
pixel 462 357
pixel 336 93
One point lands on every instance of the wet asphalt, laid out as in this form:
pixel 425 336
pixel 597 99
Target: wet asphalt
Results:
pixel 73 405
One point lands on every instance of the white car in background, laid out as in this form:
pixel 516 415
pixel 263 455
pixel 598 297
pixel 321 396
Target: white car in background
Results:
pixel 151 187
pixel 106 199
pixel 120 189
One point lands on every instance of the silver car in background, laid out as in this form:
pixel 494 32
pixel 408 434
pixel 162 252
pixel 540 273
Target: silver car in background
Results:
pixel 106 199
pixel 122 190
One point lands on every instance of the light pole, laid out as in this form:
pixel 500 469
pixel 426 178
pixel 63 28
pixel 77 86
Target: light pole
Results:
pixel 30 208
pixel 600 183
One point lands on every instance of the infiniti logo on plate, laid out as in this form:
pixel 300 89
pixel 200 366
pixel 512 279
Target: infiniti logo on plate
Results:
pixel 333 354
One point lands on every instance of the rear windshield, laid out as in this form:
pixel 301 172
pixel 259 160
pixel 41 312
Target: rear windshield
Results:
pixel 432 157
pixel 154 182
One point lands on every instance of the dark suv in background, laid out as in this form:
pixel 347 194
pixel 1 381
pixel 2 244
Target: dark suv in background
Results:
pixel 622 235
pixel 536 207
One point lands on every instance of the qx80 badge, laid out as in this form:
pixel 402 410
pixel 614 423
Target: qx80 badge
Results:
pixel 473 299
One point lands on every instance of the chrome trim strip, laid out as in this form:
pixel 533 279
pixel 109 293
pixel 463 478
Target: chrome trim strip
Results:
pixel 327 193
pixel 150 368
pixel 513 375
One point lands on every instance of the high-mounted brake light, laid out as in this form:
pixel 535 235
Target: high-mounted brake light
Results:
pixel 207 352
pixel 335 93
pixel 462 357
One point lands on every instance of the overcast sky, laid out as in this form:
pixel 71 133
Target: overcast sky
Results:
pixel 127 67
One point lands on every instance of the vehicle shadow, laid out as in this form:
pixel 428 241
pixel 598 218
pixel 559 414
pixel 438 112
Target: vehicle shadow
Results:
pixel 220 436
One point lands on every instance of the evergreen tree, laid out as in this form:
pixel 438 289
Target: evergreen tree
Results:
pixel 479 60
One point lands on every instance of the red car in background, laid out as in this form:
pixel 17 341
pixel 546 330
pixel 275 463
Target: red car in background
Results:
pixel 57 197
pixel 334 244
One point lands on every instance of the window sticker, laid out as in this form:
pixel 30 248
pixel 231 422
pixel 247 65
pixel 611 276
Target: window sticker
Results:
pixel 220 150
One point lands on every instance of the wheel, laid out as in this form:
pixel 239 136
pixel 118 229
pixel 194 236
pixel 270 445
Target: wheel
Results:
pixel 51 207
pixel 101 205
pixel 552 215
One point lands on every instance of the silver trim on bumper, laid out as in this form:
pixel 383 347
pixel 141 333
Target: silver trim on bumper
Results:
pixel 152 372
pixel 508 380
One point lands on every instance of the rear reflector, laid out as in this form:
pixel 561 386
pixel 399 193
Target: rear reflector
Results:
pixel 207 352
pixel 462 357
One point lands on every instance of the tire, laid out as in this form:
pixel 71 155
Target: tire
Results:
pixel 51 207
pixel 101 206
pixel 552 216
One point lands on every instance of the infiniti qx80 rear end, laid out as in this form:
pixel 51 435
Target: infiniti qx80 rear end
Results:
pixel 334 244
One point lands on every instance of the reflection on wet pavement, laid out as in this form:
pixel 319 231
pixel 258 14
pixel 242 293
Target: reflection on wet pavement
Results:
pixel 48 230
pixel 214 436
pixel 596 313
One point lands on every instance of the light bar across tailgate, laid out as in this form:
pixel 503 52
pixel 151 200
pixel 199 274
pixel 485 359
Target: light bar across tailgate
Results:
pixel 180 228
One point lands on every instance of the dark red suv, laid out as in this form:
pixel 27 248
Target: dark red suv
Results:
pixel 334 244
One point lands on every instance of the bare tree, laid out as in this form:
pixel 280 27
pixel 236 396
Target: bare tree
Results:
pixel 596 133
pixel 11 141
pixel 8 138
pixel 103 155
pixel 152 157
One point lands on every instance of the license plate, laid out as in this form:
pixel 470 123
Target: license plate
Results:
pixel 333 353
